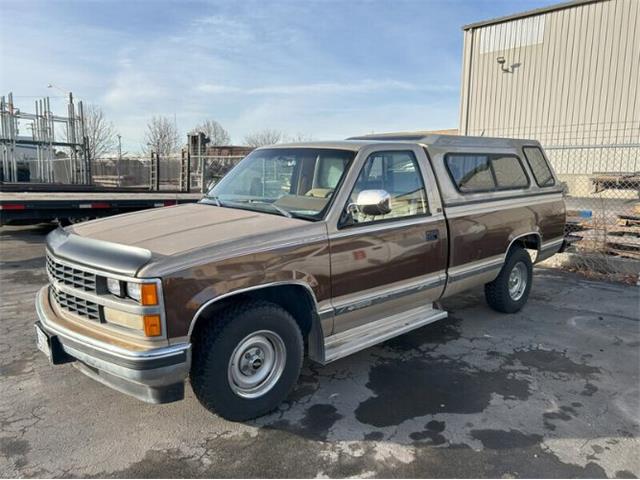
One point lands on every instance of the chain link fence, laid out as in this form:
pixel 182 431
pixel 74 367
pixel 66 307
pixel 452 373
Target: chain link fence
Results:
pixel 136 172
pixel 126 172
pixel 598 164
pixel 602 187
pixel 599 169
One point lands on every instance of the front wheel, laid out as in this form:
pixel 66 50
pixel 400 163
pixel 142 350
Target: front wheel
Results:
pixel 248 361
pixel 509 292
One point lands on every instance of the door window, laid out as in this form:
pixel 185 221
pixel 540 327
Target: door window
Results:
pixel 399 175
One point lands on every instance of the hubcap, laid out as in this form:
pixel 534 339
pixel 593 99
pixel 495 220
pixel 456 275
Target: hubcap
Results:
pixel 517 281
pixel 256 364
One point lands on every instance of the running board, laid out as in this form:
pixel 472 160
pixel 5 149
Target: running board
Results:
pixel 355 339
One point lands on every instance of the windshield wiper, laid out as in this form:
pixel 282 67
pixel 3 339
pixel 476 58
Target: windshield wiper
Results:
pixel 281 210
pixel 277 208
pixel 215 199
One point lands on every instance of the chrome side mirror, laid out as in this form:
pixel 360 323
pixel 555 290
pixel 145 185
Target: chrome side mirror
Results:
pixel 373 202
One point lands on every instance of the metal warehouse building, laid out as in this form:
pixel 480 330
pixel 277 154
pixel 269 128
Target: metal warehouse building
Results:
pixel 567 75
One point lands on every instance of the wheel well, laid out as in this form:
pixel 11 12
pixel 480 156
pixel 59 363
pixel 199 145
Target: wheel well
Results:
pixel 295 299
pixel 530 241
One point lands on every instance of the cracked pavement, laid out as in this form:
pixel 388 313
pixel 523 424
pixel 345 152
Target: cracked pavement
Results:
pixel 553 391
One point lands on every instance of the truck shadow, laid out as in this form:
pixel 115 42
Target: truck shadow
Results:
pixel 475 382
pixel 33 234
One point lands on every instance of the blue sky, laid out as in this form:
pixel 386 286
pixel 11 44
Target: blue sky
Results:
pixel 326 69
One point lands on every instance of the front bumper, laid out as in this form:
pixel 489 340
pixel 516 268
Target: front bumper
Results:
pixel 155 376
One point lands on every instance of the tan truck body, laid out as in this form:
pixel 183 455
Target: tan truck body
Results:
pixel 348 287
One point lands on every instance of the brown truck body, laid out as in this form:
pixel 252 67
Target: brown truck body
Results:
pixel 340 281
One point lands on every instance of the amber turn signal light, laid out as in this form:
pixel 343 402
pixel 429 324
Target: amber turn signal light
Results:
pixel 152 325
pixel 148 294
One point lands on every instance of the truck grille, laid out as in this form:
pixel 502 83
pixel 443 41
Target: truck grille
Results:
pixel 71 276
pixel 79 306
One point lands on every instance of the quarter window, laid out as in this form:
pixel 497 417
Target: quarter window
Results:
pixel 509 172
pixel 486 172
pixel 471 173
pixel 397 173
pixel 539 167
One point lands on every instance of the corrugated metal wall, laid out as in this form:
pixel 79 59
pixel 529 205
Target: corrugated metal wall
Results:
pixel 570 78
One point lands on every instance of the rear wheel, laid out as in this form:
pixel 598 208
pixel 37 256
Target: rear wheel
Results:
pixel 509 292
pixel 248 361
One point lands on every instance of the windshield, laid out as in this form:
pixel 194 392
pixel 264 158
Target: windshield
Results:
pixel 297 182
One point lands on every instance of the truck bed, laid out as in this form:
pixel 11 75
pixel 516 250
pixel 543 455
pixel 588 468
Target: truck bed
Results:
pixel 40 206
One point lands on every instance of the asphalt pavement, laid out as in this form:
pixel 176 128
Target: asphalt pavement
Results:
pixel 553 391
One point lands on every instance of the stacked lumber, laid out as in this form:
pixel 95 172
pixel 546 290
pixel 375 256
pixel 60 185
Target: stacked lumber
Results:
pixel 619 236
pixel 577 220
pixel 623 239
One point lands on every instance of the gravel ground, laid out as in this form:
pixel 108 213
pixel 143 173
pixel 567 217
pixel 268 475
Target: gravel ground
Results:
pixel 550 392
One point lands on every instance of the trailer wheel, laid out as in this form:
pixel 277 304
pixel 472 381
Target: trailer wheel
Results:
pixel 509 292
pixel 246 363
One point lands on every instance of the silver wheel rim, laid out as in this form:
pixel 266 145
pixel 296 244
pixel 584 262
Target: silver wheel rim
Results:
pixel 517 281
pixel 256 364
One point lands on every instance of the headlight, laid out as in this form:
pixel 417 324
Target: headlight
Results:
pixel 134 290
pixel 145 293
pixel 113 286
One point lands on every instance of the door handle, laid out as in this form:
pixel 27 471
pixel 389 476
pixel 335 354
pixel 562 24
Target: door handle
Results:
pixel 431 235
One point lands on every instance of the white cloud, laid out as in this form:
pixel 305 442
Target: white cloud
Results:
pixel 248 66
pixel 332 88
pixel 130 86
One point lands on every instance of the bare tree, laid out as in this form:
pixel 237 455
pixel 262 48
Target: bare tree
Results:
pixel 161 137
pixel 101 134
pixel 298 137
pixel 216 132
pixel 263 137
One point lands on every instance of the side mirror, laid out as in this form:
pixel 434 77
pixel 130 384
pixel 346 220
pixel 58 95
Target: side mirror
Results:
pixel 374 202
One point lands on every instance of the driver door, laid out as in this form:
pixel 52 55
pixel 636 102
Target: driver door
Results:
pixel 386 264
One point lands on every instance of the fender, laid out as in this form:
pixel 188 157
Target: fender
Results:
pixel 316 334
pixel 537 234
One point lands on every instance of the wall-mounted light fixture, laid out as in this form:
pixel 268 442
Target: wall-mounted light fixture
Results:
pixel 510 69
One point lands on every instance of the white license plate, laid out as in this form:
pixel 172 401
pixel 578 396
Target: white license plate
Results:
pixel 43 343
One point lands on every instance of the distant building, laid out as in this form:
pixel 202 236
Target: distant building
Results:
pixel 445 131
pixel 198 145
pixel 228 150
pixel 567 75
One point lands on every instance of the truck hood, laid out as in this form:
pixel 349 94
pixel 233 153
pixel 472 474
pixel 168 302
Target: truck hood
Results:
pixel 183 228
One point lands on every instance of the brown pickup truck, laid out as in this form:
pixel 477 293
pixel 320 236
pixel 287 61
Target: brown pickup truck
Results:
pixel 321 248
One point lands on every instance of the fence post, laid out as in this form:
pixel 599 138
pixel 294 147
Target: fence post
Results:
pixel 188 171
pixel 203 187
pixel 185 171
pixel 154 172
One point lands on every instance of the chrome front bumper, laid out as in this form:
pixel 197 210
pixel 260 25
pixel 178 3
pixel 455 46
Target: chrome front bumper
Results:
pixel 155 376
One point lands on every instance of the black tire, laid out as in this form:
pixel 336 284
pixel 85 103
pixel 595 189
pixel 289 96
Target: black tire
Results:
pixel 211 370
pixel 497 293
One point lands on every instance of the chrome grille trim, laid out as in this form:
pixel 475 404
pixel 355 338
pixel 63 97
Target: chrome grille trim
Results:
pixel 88 303
pixel 76 305
pixel 71 276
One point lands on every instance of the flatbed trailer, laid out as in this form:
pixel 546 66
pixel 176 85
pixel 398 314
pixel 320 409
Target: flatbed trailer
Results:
pixel 73 206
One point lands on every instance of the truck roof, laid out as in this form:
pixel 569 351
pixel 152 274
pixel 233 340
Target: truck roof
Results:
pixel 437 139
pixel 422 137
